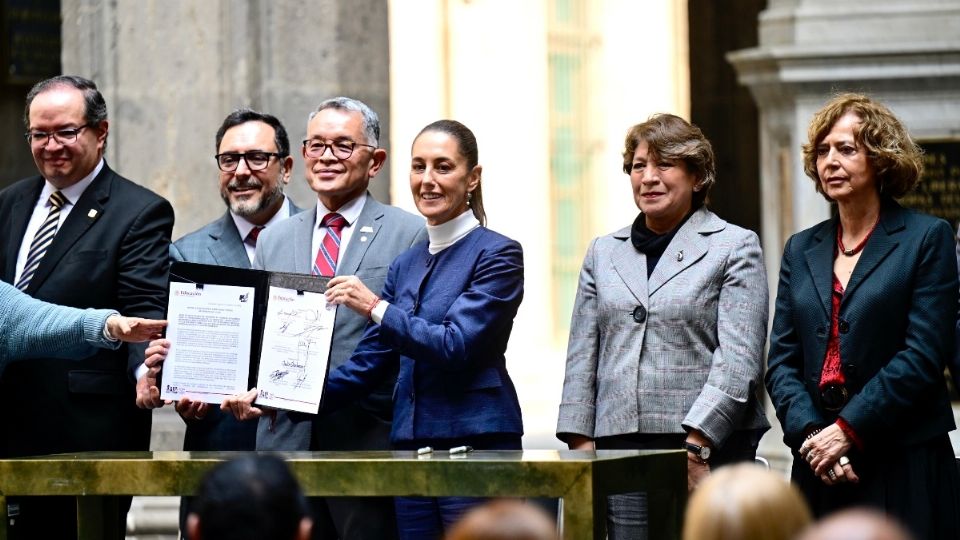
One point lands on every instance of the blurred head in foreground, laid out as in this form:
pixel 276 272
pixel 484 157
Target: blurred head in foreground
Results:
pixel 252 497
pixel 745 502
pixel 857 524
pixel 505 520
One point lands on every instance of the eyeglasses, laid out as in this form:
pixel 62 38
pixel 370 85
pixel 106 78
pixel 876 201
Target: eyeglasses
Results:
pixel 314 148
pixel 256 161
pixel 62 136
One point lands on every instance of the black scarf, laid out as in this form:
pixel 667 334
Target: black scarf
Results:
pixel 650 243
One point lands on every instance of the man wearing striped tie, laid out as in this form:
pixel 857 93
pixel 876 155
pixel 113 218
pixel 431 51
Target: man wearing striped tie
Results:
pixel 348 232
pixel 80 235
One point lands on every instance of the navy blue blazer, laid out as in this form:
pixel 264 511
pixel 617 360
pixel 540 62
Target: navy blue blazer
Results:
pixel 447 325
pixel 896 326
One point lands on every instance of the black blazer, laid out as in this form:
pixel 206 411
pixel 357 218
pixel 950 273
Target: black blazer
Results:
pixel 897 322
pixel 110 252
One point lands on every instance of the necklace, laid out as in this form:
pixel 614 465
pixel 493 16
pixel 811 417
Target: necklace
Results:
pixel 859 247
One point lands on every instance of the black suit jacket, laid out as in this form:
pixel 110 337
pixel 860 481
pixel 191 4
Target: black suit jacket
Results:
pixel 897 322
pixel 110 252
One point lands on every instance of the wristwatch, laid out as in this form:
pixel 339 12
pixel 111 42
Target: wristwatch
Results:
pixel 702 452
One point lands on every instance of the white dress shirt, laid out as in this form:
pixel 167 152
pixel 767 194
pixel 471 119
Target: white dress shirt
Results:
pixel 244 227
pixel 41 209
pixel 350 212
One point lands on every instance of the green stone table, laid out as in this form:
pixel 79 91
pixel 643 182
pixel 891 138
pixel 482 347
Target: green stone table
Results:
pixel 581 479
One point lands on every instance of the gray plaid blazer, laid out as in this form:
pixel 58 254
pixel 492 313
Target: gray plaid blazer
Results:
pixel 696 360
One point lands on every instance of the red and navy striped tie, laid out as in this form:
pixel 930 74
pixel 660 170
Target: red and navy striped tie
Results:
pixel 326 263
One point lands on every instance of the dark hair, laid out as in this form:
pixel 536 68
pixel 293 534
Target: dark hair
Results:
pixel 467 147
pixel 243 115
pixel 249 498
pixel 95 108
pixel 670 137
pixel 897 161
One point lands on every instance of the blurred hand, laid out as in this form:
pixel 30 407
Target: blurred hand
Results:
pixel 155 354
pixel 133 329
pixel 580 442
pixel 697 472
pixel 241 405
pixel 148 393
pixel 191 410
pixel 351 292
pixel 823 450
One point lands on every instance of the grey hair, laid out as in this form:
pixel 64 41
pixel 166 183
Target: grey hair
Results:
pixel 371 122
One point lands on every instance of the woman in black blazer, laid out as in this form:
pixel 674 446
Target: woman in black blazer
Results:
pixel 864 323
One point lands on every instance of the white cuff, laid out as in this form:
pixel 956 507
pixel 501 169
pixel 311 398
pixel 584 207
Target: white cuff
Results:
pixel 378 312
pixel 141 370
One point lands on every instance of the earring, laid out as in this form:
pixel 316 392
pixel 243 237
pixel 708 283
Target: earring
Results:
pixel 469 197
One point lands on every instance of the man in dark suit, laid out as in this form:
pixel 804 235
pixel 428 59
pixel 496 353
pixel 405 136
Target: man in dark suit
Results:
pixel 341 155
pixel 253 156
pixel 79 235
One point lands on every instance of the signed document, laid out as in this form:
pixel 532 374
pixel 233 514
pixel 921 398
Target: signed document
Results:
pixel 210 327
pixel 296 346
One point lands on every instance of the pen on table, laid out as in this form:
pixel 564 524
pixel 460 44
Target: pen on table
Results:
pixel 461 449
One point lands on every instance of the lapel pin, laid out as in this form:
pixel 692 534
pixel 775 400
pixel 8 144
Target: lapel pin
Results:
pixel 680 256
pixel 366 228
pixel 92 213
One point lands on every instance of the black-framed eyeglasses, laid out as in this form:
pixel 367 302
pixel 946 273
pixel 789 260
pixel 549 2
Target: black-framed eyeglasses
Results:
pixel 62 136
pixel 314 148
pixel 256 161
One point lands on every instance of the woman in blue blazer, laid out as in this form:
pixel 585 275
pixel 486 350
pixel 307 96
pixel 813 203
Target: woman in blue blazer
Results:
pixel 445 317
pixel 864 323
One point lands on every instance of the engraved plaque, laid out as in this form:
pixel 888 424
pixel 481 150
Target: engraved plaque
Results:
pixel 939 190
pixel 31 40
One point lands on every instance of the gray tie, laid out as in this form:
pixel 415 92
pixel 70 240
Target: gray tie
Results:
pixel 42 240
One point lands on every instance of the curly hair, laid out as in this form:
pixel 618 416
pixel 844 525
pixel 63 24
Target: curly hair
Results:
pixel 895 158
pixel 670 137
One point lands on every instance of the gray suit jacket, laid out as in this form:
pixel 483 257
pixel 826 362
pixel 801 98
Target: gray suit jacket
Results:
pixel 696 360
pixel 288 247
pixel 217 243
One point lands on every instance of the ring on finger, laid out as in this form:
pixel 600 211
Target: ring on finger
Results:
pixel 831 474
pixel 844 460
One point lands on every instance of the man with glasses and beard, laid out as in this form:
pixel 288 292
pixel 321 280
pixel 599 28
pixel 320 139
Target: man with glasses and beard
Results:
pixel 253 157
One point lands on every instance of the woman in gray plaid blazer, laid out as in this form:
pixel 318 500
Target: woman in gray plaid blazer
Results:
pixel 669 324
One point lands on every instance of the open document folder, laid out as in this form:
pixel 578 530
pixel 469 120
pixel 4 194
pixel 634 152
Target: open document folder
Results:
pixel 232 329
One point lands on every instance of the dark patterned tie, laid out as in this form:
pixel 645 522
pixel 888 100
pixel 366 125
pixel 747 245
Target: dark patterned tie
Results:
pixel 42 240
pixel 326 262
pixel 252 236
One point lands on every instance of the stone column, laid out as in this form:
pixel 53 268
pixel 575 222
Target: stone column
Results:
pixel 906 54
pixel 172 70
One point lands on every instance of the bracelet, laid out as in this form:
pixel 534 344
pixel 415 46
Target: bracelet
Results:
pixel 373 305
pixel 813 433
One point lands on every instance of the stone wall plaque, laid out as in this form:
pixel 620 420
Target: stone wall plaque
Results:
pixel 938 192
pixel 30 49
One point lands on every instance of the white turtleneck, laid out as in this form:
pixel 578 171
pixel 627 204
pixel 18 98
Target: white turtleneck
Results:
pixel 441 237
pixel 447 234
